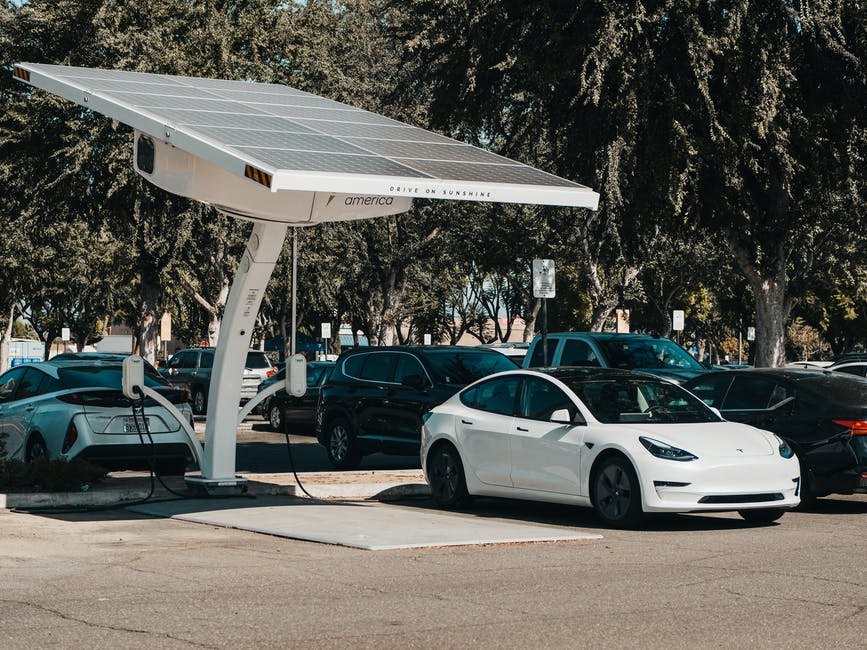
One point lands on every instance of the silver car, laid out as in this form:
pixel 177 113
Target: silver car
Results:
pixel 72 406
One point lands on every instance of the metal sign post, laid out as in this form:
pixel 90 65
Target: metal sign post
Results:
pixel 543 287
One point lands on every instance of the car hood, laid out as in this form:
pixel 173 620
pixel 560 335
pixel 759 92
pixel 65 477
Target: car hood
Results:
pixel 711 439
pixel 677 375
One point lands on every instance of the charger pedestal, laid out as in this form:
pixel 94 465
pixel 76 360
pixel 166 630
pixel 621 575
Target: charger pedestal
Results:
pixel 199 486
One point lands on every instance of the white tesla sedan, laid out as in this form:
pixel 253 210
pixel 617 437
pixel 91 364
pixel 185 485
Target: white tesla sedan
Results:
pixel 623 442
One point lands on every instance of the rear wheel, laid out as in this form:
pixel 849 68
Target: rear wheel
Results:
pixel 340 444
pixel 36 448
pixel 275 417
pixel 762 515
pixel 200 401
pixel 448 483
pixel 617 494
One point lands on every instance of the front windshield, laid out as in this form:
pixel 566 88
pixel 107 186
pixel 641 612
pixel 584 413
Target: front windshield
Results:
pixel 647 353
pixel 461 367
pixel 617 399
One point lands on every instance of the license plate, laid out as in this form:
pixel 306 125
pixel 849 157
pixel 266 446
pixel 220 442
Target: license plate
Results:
pixel 129 425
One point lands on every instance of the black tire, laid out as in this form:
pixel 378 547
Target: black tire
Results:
pixel 616 493
pixel 448 483
pixel 808 490
pixel 36 449
pixel 340 445
pixel 275 417
pixel 761 515
pixel 200 401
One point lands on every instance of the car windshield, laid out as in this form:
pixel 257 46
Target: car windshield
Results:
pixel 619 399
pixel 103 377
pixel 461 367
pixel 647 353
pixel 257 360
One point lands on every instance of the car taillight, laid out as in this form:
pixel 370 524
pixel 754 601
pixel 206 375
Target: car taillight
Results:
pixel 72 398
pixel 71 437
pixel 271 372
pixel 858 427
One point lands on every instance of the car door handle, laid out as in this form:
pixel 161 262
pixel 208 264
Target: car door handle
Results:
pixel 522 429
pixel 465 422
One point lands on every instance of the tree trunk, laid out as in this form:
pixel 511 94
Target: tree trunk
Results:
pixel 772 312
pixel 149 324
pixel 4 340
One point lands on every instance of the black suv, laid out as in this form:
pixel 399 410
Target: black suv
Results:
pixel 375 397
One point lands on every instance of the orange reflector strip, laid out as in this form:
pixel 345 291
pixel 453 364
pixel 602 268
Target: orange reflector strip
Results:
pixel 21 73
pixel 257 175
pixel 858 427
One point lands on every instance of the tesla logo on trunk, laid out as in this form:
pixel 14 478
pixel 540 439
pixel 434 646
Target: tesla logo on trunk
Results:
pixel 740 450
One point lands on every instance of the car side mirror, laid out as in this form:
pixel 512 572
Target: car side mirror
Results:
pixel 561 416
pixel 416 382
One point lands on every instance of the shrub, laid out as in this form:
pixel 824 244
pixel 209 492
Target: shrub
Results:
pixel 49 475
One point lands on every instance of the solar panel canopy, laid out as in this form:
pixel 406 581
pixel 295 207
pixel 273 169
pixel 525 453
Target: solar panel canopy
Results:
pixel 244 145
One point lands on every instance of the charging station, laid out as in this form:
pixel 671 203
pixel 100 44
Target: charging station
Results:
pixel 281 158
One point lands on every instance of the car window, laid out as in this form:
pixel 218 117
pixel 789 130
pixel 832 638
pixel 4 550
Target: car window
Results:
pixel 859 371
pixel 352 365
pixel 101 377
pixel 711 390
pixel 176 360
pixel 379 367
pixel 459 366
pixel 407 366
pixel 29 386
pixel 647 400
pixel 578 353
pixel 540 398
pixel 536 359
pixel 750 394
pixel 48 384
pixel 495 396
pixel 188 360
pixel 258 360
pixel 315 375
pixel 206 360
pixel 9 383
pixel 647 353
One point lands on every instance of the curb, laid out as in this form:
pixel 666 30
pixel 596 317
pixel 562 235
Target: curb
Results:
pixel 134 489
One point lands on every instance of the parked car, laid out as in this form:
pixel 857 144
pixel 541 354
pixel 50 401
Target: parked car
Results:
pixel 283 410
pixel 72 407
pixel 374 398
pixel 654 354
pixel 623 442
pixel 821 414
pixel 192 367
pixel 516 351
pixel 857 368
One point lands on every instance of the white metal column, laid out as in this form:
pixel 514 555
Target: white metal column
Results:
pixel 242 307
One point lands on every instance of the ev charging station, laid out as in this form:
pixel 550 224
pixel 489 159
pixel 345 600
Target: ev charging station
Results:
pixel 281 158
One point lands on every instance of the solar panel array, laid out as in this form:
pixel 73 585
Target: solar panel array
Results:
pixel 281 129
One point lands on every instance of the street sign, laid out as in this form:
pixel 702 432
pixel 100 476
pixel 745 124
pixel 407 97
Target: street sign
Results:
pixel 64 333
pixel 427 339
pixel 166 326
pixel 677 320
pixel 326 330
pixel 751 334
pixel 543 279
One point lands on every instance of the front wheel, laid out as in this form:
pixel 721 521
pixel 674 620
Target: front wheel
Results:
pixel 199 401
pixel 617 494
pixel 342 449
pixel 448 484
pixel 275 417
pixel 762 515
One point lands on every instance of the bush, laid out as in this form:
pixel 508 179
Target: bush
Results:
pixel 49 475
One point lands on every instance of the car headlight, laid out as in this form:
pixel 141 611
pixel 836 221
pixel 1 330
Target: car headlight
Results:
pixel 663 450
pixel 785 450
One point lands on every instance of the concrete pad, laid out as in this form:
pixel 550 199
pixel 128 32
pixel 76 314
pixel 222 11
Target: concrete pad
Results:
pixel 359 525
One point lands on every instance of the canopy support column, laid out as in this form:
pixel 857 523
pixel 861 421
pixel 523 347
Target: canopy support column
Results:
pixel 254 270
